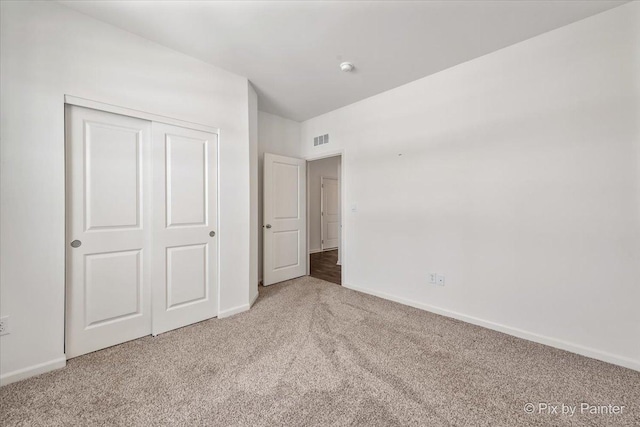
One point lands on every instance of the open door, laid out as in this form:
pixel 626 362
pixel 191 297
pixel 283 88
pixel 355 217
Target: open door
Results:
pixel 285 217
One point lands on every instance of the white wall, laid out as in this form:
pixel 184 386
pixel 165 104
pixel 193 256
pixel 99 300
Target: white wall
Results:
pixel 276 135
pixel 317 169
pixel 47 51
pixel 519 180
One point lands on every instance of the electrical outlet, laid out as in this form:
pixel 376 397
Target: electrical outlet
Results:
pixel 440 280
pixel 4 325
pixel 432 278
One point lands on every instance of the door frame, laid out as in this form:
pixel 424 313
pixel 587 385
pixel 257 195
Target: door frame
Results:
pixel 115 109
pixel 110 108
pixel 322 178
pixel 341 183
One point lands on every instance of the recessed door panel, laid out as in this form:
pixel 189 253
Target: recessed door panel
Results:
pixel 113 286
pixel 285 249
pixel 184 226
pixel 332 231
pixel 108 293
pixel 187 274
pixel 113 176
pixel 186 179
pixel 284 218
pixel 285 190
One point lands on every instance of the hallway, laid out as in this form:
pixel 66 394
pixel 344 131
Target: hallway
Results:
pixel 324 265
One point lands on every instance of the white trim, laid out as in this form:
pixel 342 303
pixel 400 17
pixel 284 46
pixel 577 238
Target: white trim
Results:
pixel 530 336
pixel 32 371
pixel 87 103
pixel 253 300
pixel 234 310
pixel 321 213
pixel 324 155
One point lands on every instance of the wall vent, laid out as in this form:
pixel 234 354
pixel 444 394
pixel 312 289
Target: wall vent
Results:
pixel 322 139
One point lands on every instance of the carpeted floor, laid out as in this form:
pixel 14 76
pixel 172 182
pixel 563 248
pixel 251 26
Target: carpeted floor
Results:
pixel 313 353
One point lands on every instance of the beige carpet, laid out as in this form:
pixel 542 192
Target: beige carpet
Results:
pixel 313 353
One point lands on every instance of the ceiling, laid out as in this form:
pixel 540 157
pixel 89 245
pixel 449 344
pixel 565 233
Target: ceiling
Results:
pixel 290 51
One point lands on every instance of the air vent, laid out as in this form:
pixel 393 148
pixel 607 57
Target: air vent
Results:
pixel 322 139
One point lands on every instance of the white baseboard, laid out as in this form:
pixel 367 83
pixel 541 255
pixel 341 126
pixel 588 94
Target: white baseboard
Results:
pixel 32 371
pixel 253 300
pixel 541 339
pixel 234 310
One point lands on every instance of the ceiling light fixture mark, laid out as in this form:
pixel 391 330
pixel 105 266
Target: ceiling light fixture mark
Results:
pixel 347 67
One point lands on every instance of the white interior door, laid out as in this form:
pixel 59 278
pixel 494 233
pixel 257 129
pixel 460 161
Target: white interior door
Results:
pixel 185 249
pixel 108 288
pixel 330 206
pixel 285 217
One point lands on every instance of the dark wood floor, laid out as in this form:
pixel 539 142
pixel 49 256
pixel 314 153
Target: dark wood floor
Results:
pixel 323 266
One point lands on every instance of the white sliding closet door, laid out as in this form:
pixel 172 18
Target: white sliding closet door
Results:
pixel 108 288
pixel 184 226
pixel 141 228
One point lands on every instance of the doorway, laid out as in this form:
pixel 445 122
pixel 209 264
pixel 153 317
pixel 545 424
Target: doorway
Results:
pixel 297 195
pixel 325 222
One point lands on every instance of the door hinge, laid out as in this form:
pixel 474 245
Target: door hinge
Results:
pixel 322 241
pixel 321 213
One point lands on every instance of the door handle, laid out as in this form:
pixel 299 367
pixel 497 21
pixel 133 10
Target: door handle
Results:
pixel 76 244
pixel 268 226
pixel 212 233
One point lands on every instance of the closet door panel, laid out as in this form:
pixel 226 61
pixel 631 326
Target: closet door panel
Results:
pixel 185 225
pixel 108 290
